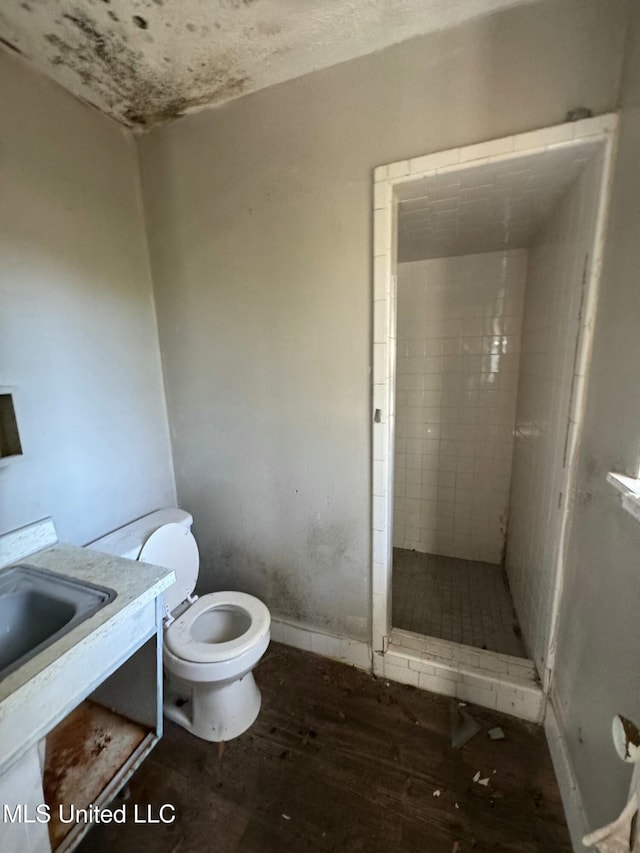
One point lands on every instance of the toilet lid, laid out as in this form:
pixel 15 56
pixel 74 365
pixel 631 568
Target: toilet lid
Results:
pixel 172 546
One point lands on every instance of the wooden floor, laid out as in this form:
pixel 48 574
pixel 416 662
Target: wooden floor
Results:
pixel 341 761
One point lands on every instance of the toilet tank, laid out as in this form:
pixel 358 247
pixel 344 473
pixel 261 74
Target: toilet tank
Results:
pixel 127 541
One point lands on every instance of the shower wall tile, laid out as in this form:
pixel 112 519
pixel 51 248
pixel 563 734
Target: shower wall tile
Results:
pixel 556 270
pixel 458 345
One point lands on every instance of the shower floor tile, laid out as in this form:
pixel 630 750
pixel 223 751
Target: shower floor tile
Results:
pixel 462 601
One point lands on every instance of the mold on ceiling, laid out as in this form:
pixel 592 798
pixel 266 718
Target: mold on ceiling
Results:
pixel 148 61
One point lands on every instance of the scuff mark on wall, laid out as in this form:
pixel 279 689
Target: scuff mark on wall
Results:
pixel 282 586
pixel 288 580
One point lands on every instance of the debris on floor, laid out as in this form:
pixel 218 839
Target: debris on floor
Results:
pixel 361 744
pixel 437 792
pixel 308 735
pixel 480 781
pixel 497 733
pixel 410 716
pixel 463 726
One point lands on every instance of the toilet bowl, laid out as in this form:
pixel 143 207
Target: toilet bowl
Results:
pixel 211 643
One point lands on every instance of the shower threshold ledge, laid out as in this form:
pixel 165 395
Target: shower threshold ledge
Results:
pixel 492 680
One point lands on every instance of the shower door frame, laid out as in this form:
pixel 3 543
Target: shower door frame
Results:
pixel 385 204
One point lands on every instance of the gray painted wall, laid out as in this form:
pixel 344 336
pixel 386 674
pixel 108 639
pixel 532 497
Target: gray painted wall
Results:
pixel 598 664
pixel 259 225
pixel 78 335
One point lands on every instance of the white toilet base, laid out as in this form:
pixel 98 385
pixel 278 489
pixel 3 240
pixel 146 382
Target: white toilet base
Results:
pixel 213 711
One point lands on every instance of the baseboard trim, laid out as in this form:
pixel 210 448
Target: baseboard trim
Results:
pixel 353 652
pixel 569 791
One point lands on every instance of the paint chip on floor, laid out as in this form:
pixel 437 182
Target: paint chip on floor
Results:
pixel 497 733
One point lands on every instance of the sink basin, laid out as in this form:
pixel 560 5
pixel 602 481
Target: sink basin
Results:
pixel 37 607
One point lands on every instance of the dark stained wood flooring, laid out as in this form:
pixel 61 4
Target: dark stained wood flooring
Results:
pixel 341 761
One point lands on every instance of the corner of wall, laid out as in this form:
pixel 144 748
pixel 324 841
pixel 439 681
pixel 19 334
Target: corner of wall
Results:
pixel 132 142
pixel 567 783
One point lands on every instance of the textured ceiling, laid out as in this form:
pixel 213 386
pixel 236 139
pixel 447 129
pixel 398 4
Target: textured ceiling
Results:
pixel 485 208
pixel 144 61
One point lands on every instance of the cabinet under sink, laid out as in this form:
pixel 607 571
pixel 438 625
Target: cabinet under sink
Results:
pixel 80 682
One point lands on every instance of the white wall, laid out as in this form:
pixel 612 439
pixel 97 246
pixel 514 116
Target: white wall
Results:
pixel 597 672
pixel 259 223
pixel 558 260
pixel 458 344
pixel 78 337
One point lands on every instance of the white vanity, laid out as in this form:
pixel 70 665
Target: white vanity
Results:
pixel 78 717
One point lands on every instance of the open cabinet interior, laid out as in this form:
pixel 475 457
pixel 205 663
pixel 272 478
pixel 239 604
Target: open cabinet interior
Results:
pixel 93 751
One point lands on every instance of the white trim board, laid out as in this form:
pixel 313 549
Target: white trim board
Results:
pixel 569 791
pixel 352 652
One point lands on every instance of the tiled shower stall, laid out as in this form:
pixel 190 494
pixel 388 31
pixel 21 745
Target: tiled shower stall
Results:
pixel 492 257
pixel 473 404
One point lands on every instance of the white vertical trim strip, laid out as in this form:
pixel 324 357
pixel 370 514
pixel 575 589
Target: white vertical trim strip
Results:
pixel 581 377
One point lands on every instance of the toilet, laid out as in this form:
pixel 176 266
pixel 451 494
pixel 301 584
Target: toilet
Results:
pixel 211 642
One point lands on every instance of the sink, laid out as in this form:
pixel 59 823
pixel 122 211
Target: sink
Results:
pixel 38 607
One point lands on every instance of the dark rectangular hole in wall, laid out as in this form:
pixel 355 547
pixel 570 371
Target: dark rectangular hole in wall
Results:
pixel 9 436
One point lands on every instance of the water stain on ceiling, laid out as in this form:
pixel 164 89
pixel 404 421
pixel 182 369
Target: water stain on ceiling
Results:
pixel 147 61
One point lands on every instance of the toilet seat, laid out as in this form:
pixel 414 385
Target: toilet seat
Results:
pixel 180 639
